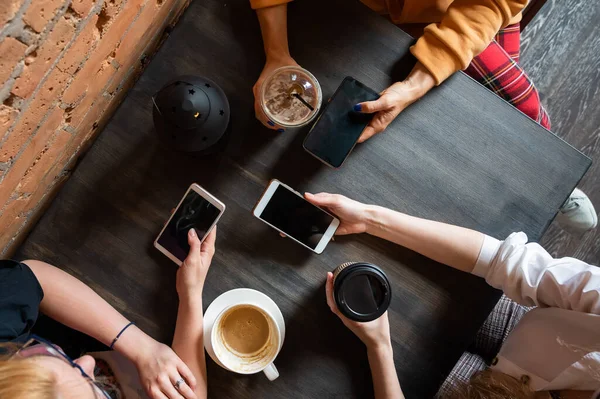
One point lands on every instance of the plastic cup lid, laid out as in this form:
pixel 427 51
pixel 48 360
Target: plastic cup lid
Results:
pixel 291 96
pixel 362 292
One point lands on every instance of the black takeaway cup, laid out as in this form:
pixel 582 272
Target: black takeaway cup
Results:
pixel 361 291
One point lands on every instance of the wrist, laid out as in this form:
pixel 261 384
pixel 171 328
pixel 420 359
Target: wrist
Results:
pixel 278 56
pixel 373 219
pixel 191 300
pixel 419 81
pixel 380 348
pixel 134 344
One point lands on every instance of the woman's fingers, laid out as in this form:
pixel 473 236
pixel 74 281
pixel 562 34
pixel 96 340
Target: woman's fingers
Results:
pixel 369 107
pixel 208 246
pixel 322 199
pixel 260 115
pixel 168 387
pixel 329 294
pixel 156 393
pixel 367 133
pixel 194 241
pixel 187 375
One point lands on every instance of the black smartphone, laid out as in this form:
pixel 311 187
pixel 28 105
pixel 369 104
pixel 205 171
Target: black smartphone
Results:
pixel 334 134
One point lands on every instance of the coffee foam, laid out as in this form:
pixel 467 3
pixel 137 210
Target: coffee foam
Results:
pixel 245 363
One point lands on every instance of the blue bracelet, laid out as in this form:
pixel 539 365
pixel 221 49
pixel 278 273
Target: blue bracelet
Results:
pixel 119 334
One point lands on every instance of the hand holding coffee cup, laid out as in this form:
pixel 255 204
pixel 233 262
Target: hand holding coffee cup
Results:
pixel 246 339
pixel 372 333
pixel 287 97
pixel 270 66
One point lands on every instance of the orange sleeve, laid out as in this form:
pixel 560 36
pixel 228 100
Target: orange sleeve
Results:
pixel 256 4
pixel 466 29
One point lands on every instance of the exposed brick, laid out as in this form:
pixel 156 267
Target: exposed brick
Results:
pixel 40 12
pixel 7 117
pixel 31 152
pixel 35 112
pixel 79 50
pixel 43 58
pixel 94 91
pixel 104 51
pixel 8 9
pixel 11 52
pixel 89 82
pixel 44 157
pixel 111 7
pixel 10 220
pixel 132 44
pixel 44 162
pixel 82 7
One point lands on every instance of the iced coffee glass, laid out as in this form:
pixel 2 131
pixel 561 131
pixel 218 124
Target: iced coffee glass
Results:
pixel 291 96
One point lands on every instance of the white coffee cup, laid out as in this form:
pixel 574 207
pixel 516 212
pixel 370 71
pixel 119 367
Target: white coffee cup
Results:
pixel 247 363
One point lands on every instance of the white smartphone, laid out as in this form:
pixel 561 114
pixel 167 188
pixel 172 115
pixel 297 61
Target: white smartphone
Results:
pixel 198 209
pixel 288 212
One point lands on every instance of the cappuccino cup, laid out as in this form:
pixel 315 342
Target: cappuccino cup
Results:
pixel 246 339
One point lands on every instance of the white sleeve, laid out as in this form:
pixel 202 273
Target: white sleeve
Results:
pixel 530 276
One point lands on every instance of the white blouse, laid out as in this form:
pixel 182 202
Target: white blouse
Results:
pixel 557 344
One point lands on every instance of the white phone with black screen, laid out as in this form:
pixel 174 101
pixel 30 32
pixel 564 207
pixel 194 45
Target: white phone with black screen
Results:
pixel 197 209
pixel 288 212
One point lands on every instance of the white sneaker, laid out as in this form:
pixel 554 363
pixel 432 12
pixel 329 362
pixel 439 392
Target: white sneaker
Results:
pixel 577 213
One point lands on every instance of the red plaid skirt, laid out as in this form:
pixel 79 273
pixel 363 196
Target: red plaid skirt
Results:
pixel 497 69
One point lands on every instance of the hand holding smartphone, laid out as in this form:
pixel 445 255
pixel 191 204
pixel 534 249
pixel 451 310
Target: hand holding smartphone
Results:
pixel 197 209
pixel 289 213
pixel 335 133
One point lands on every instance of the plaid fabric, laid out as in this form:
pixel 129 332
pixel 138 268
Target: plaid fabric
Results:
pixel 487 343
pixel 497 69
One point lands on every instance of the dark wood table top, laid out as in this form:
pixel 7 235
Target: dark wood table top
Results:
pixel 460 155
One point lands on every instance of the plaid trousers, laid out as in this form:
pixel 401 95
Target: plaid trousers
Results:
pixel 497 68
pixel 487 343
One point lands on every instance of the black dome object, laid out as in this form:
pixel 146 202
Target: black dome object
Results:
pixel 190 113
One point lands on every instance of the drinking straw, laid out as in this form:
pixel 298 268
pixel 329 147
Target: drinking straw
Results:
pixel 303 101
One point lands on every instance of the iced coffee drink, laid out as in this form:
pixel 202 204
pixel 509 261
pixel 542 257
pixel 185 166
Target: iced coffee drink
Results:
pixel 291 96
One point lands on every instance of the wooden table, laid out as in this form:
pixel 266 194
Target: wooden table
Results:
pixel 460 155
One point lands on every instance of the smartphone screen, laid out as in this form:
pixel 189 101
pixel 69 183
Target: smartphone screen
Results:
pixel 194 211
pixel 335 133
pixel 296 217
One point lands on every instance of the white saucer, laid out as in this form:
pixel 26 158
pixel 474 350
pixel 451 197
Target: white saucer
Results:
pixel 239 295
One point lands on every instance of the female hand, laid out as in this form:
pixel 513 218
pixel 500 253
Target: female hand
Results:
pixel 192 273
pixel 352 214
pixel 372 333
pixel 271 65
pixel 394 100
pixel 160 369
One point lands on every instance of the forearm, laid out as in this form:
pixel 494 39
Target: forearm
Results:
pixel 383 371
pixel 188 341
pixel 454 246
pixel 273 26
pixel 74 304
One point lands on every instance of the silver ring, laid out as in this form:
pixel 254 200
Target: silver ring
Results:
pixel 178 383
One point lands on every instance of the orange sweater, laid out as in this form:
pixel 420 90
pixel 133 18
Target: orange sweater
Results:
pixel 458 30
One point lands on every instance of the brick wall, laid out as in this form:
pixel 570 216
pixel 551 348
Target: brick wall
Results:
pixel 64 67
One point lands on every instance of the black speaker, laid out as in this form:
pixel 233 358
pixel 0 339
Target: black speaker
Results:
pixel 191 114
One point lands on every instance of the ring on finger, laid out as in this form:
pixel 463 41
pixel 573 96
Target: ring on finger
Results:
pixel 178 383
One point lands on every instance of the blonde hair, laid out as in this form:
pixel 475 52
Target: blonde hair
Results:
pixel 487 384
pixel 23 378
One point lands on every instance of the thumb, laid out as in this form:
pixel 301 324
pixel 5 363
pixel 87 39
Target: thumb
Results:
pixel 369 107
pixel 321 199
pixel 194 242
